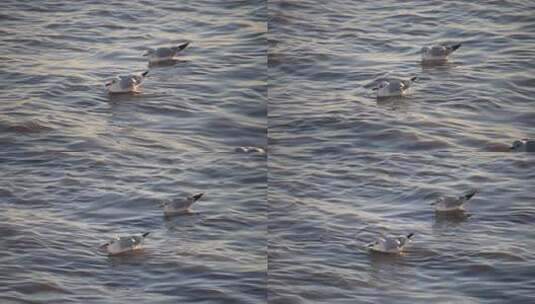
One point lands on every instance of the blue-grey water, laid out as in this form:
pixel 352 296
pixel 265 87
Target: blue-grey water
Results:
pixel 345 168
pixel 325 209
pixel 56 58
pixel 79 166
pixel 322 56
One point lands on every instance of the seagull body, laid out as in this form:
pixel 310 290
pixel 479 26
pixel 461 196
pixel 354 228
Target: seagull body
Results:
pixel 123 244
pixel 394 87
pixel 126 83
pixel 452 203
pixel 181 205
pixel 251 149
pixel 390 244
pixel 438 52
pixel 164 53
pixel 524 145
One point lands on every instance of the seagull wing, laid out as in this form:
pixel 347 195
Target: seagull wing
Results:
pixel 182 203
pixel 165 52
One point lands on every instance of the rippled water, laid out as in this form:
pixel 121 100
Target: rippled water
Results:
pixel 345 168
pixel 322 55
pixel 79 166
pixel 58 208
pixel 56 59
pixel 324 209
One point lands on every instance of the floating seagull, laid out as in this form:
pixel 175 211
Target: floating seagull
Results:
pixel 451 203
pixel 438 52
pixel 524 145
pixel 251 149
pixel 393 87
pixel 119 245
pixel 390 244
pixel 164 53
pixel 126 84
pixel 180 206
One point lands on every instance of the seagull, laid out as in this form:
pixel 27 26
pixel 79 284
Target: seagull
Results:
pixel 439 52
pixel 393 87
pixel 122 244
pixel 251 149
pixel 390 244
pixel 524 145
pixel 180 206
pixel 452 203
pixel 164 53
pixel 126 83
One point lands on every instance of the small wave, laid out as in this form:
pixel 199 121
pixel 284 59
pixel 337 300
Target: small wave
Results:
pixel 29 127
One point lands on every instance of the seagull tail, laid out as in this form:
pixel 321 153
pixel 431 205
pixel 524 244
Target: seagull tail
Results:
pixel 197 196
pixel 145 73
pixel 182 46
pixel 413 79
pixel 410 235
pixel 455 47
pixel 470 193
pixel 145 234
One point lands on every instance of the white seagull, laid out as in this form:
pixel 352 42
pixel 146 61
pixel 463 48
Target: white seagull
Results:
pixel 250 149
pixel 452 203
pixel 439 52
pixel 122 244
pixel 164 53
pixel 390 244
pixel 393 87
pixel 181 205
pixel 126 83
pixel 524 145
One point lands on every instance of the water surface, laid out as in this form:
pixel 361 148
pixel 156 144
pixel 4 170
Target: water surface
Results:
pixel 79 165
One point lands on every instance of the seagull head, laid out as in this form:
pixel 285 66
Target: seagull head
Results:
pixel 371 245
pixel 109 83
pixel 437 201
pixel 517 145
pixel 148 52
